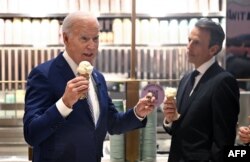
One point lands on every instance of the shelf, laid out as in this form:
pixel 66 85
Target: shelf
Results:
pixel 26 15
pixel 11 106
pixel 60 15
pixel 21 46
pixel 12 122
pixel 16 45
pixel 183 15
pixel 117 15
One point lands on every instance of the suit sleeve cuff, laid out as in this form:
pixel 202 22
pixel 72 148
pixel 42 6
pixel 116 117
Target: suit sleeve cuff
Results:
pixel 63 109
pixel 166 123
pixel 141 119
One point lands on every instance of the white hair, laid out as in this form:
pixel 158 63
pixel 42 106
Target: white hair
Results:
pixel 71 18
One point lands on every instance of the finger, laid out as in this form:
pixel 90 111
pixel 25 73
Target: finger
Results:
pixel 244 129
pixel 169 102
pixel 169 111
pixel 244 140
pixel 169 108
pixel 243 135
pixel 151 107
pixel 81 89
pixel 77 79
pixel 169 115
pixel 151 103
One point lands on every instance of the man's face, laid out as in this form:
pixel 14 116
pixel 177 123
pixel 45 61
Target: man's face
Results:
pixel 83 41
pixel 198 50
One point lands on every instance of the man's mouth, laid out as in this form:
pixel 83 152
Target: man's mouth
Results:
pixel 88 54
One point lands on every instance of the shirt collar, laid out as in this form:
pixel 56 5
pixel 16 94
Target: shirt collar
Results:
pixel 203 68
pixel 71 62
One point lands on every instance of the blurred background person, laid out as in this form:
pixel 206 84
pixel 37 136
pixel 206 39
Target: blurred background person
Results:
pixel 238 59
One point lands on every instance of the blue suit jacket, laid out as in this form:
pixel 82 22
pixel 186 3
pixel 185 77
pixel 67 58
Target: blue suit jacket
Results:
pixel 75 138
pixel 208 121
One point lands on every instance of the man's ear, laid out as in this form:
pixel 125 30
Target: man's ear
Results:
pixel 213 50
pixel 65 38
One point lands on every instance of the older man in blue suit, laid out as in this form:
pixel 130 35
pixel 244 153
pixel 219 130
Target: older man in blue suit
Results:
pixel 58 125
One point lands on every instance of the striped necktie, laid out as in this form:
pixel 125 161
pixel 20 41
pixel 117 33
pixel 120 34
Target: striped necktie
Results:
pixel 91 107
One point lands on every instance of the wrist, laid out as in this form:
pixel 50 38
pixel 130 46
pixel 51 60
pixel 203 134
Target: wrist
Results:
pixel 137 115
pixel 66 103
pixel 165 121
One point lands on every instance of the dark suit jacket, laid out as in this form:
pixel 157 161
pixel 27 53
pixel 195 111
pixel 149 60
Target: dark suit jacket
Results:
pixel 208 122
pixel 74 139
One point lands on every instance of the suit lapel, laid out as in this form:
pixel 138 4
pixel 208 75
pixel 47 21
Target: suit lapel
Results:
pixel 212 71
pixel 64 68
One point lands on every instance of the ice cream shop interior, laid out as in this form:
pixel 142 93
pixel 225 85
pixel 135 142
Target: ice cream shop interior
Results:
pixel 142 47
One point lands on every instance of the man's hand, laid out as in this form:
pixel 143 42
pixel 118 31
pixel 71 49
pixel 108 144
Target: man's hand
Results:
pixel 170 110
pixel 244 134
pixel 145 105
pixel 75 88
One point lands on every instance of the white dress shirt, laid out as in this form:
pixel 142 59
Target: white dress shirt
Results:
pixel 202 69
pixel 63 109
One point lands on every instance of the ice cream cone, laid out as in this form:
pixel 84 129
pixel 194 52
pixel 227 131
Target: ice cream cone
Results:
pixel 86 75
pixel 170 98
pixel 84 69
pixel 170 93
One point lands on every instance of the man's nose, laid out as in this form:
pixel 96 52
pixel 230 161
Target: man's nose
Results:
pixel 91 44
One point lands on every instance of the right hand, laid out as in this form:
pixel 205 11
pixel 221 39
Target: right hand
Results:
pixel 170 110
pixel 244 133
pixel 145 105
pixel 75 88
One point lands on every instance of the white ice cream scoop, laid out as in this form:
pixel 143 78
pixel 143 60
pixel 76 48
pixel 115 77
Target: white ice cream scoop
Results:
pixel 170 92
pixel 84 68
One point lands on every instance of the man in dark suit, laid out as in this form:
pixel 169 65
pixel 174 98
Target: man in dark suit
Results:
pixel 203 121
pixel 58 124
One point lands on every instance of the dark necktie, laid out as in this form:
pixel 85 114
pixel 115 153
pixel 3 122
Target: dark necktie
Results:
pixel 189 88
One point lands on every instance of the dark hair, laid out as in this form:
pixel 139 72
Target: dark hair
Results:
pixel 217 34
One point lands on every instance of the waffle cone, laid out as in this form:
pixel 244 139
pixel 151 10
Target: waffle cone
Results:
pixel 170 98
pixel 86 75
